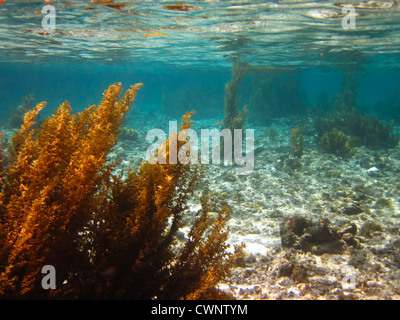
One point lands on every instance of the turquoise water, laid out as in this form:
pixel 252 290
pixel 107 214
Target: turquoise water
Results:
pixel 302 61
pixel 165 45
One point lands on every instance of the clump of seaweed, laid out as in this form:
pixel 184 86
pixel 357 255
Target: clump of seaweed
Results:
pixel 127 133
pixel 336 142
pixel 370 131
pixel 234 118
pixel 239 121
pixel 364 130
pixel 107 236
pixel 296 142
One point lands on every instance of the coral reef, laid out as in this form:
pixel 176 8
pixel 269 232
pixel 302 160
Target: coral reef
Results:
pixel 107 236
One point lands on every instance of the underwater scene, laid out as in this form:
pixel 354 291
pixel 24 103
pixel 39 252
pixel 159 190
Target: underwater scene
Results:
pixel 200 150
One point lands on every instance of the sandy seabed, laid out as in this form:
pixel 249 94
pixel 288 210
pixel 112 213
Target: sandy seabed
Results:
pixel 362 190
